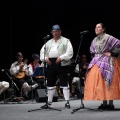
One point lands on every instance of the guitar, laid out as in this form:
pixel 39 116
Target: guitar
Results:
pixel 21 73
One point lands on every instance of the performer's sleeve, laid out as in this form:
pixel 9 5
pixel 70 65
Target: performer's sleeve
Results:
pixel 69 52
pixel 29 70
pixel 92 49
pixel 14 69
pixel 42 51
pixel 115 46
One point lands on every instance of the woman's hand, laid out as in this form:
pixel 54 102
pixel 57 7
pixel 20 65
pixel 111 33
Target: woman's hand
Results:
pixel 108 54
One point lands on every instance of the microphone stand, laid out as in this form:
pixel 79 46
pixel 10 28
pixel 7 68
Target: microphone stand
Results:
pixel 77 60
pixel 31 89
pixel 46 106
pixel 31 85
pixel 13 84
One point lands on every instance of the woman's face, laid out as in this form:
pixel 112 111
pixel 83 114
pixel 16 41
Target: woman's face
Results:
pixel 99 30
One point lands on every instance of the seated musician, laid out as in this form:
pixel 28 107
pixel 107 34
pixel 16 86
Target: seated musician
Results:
pixel 36 63
pixel 79 78
pixel 22 76
pixel 4 85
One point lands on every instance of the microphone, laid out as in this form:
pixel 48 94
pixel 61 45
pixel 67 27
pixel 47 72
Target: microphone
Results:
pixel 4 70
pixel 84 32
pixel 46 37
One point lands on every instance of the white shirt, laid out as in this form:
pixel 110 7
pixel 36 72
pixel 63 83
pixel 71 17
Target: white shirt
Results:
pixel 53 51
pixel 15 68
pixel 66 56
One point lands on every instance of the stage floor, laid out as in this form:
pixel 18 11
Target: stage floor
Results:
pixel 20 111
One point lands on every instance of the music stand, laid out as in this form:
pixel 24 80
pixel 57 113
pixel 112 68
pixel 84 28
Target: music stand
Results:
pixel 39 71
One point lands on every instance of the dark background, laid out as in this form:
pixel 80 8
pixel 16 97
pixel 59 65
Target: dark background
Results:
pixel 25 22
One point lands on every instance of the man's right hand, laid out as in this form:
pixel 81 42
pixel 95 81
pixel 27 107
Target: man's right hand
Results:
pixel 21 67
pixel 48 61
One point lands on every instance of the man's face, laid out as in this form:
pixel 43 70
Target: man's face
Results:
pixel 20 57
pixel 37 60
pixel 56 34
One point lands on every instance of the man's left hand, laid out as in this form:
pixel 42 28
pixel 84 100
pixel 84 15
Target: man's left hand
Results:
pixel 58 60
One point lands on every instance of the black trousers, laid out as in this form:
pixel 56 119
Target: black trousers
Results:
pixel 55 72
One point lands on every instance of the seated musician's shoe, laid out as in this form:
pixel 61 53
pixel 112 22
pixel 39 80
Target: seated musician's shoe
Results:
pixel 102 107
pixel 67 105
pixel 110 107
pixel 47 105
pixel 19 99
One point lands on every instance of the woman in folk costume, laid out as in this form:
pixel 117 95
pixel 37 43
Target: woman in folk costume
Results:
pixel 103 74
